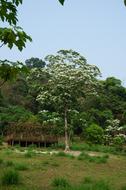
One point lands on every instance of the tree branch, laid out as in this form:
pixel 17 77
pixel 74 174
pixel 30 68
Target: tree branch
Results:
pixel 1 45
pixel 2 83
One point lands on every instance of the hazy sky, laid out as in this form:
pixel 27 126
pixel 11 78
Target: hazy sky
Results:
pixel 95 28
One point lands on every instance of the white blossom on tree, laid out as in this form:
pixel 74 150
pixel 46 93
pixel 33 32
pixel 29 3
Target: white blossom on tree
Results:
pixel 70 77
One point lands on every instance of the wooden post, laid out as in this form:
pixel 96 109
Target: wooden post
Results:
pixel 45 144
pixel 12 143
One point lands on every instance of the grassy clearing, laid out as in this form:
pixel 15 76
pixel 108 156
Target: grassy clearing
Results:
pixel 39 171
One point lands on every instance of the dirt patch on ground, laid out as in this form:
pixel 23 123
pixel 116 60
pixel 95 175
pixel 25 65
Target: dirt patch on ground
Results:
pixel 73 153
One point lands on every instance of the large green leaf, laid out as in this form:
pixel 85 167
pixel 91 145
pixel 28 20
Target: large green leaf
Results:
pixel 62 1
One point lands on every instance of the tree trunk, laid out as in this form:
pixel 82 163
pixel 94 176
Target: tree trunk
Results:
pixel 67 147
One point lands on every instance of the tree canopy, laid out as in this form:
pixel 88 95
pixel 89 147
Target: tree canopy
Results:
pixel 70 77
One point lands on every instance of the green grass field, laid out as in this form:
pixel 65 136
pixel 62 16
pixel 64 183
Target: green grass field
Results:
pixel 44 171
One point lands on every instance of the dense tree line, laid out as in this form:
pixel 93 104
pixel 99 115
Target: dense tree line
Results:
pixel 63 90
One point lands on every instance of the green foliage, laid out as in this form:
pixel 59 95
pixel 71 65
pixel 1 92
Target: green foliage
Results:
pixel 119 141
pixel 10 70
pixel 123 188
pixel 32 146
pixel 8 11
pixel 35 63
pixel 10 177
pixel 28 154
pixel 8 151
pixel 8 163
pixel 13 35
pixel 94 134
pixel 94 147
pixel 20 166
pixel 61 87
pixel 60 182
pixel 125 2
pixel 61 1
pixel 88 180
pixel 101 185
pixel 90 184
pixel 96 159
pixel 14 114
pixel 1 139
pixel 61 154
pixel 52 120
pixel 1 161
pixel 100 116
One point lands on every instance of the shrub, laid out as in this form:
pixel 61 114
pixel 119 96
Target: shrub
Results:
pixel 28 154
pixel 101 185
pixel 8 152
pixel 10 177
pixel 90 184
pixel 119 142
pixel 87 180
pixel 94 134
pixel 20 166
pixel 60 145
pixel 61 154
pixel 60 182
pixel 32 146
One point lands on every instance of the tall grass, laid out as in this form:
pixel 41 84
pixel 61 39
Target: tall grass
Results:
pixel 10 177
pixel 20 166
pixel 88 184
pixel 60 182
pixel 1 161
pixel 93 147
pixel 8 163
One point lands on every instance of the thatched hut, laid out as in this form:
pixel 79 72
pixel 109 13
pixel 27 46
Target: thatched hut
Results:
pixel 25 134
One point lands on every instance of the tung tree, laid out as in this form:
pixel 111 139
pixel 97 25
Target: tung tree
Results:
pixel 70 78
